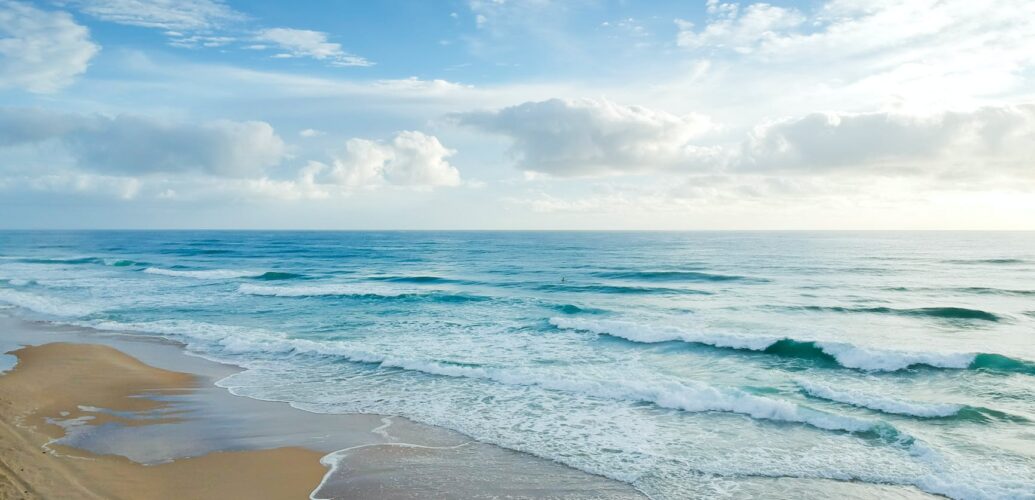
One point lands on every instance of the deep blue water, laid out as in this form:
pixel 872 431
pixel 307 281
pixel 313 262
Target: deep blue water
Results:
pixel 677 362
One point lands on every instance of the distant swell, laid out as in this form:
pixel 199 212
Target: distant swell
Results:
pixel 417 279
pixel 843 354
pixel 618 289
pixel 996 291
pixel 987 261
pixel 359 290
pixel 683 276
pixel 277 276
pixel 931 312
pixel 325 290
pixel 72 261
pixel 204 274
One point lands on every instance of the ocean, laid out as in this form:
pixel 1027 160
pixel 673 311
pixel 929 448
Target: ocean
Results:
pixel 684 363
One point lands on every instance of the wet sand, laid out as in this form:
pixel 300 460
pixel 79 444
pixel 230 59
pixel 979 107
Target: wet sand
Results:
pixel 88 414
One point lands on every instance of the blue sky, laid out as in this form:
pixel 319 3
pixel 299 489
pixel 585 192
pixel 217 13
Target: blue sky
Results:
pixel 518 114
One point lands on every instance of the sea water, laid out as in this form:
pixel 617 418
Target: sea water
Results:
pixel 684 363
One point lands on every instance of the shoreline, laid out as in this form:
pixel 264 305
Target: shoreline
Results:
pixel 345 455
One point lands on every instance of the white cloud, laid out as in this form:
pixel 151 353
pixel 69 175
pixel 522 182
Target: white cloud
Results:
pixel 136 145
pixel 592 137
pixel 863 54
pixel 41 51
pixel 737 29
pixel 411 158
pixel 313 44
pixel 311 132
pixel 185 15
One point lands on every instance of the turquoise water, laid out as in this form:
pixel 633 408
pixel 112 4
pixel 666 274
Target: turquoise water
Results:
pixel 682 363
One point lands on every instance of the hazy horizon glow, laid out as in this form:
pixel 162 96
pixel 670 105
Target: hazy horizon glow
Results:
pixel 507 114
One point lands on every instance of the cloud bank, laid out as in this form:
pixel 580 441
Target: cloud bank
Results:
pixel 995 140
pixel 127 144
pixel 597 137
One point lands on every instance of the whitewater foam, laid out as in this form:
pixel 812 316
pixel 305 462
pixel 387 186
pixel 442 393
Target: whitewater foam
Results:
pixel 46 305
pixel 690 396
pixel 846 355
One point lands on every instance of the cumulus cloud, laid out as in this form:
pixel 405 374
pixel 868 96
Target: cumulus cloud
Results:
pixel 186 15
pixel 591 137
pixel 411 158
pixel 137 145
pixel 41 51
pixel 313 44
pixel 988 141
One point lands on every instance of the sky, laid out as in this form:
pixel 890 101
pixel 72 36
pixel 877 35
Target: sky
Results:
pixel 517 114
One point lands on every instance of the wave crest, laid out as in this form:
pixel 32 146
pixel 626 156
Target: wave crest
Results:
pixel 878 402
pixel 843 354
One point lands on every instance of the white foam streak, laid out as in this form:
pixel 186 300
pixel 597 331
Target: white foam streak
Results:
pixel 204 274
pixel 335 289
pixel 878 402
pixel 45 305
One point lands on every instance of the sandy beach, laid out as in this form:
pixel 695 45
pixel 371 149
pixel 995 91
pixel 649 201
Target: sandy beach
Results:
pixel 82 416
pixel 48 391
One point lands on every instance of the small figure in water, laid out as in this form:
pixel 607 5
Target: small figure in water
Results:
pixel 562 279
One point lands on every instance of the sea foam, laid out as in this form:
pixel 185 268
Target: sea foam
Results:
pixel 690 396
pixel 46 305
pixel 844 354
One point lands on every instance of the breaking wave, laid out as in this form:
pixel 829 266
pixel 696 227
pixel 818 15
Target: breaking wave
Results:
pixel 844 354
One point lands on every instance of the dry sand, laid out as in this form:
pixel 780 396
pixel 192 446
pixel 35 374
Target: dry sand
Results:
pixel 52 381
